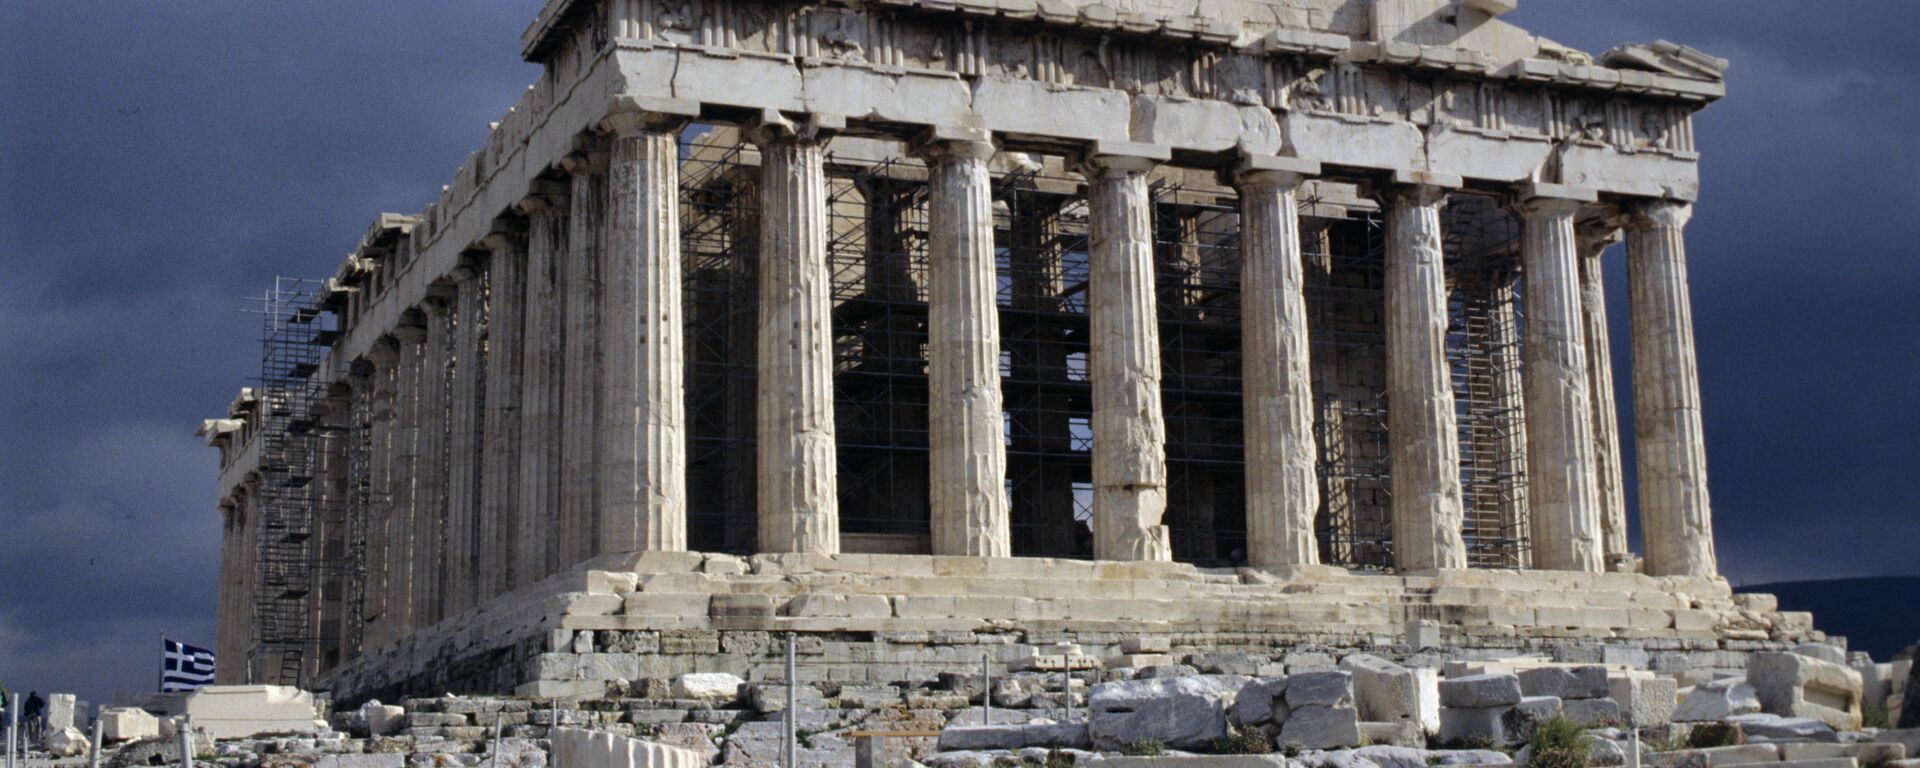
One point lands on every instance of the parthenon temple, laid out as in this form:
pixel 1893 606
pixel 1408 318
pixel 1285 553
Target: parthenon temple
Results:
pixel 934 328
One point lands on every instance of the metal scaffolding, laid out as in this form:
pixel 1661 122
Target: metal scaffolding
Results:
pixel 876 257
pixel 294 438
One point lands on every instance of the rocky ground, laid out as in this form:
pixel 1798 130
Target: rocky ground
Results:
pixel 1803 709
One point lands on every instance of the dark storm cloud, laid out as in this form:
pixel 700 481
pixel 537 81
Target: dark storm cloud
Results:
pixel 161 161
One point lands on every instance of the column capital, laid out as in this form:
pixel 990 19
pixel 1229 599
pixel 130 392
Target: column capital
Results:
pixel 773 127
pixel 1537 199
pixel 629 116
pixel 468 265
pixel 1418 187
pixel 412 328
pixel 384 351
pixel 545 196
pixel 1116 159
pixel 940 142
pixel 1597 234
pixel 1647 214
pixel 1267 171
pixel 589 162
pixel 508 235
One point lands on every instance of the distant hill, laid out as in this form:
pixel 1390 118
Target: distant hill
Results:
pixel 1879 615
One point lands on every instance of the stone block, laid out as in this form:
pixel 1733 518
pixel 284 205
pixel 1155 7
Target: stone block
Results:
pixel 1421 634
pixel 1147 644
pixel 1320 727
pixel 1763 726
pixel 239 711
pixel 1226 663
pixel 1715 757
pixel 1644 700
pixel 1592 713
pixel 127 723
pixel 767 698
pixel 369 760
pixel 710 687
pixel 1793 685
pixel 1873 680
pixel 1383 691
pixel 1519 722
pixel 1043 735
pixel 1867 752
pixel 1308 661
pixel 1906 737
pixel 66 741
pixel 1474 725
pixel 1564 682
pixel 1405 733
pixel 1331 688
pixel 840 606
pixel 59 713
pixel 1182 712
pixel 1630 656
pixel 1261 701
pixel 1831 762
pixel 1717 700
pixel 1427 686
pixel 1821 651
pixel 1480 692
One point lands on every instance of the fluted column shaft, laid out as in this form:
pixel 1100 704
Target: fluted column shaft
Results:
pixel 1422 433
pixel 582 273
pixel 538 525
pixel 430 478
pixel 643 443
pixel 966 450
pixel 465 441
pixel 1129 428
pixel 1562 492
pixel 380 464
pixel 798 507
pixel 408 442
pixel 1283 490
pixel 500 463
pixel 1609 486
pixel 1676 521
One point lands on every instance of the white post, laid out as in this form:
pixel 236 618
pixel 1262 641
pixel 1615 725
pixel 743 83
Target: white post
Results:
pixel 93 753
pixel 13 731
pixel 494 760
pixel 186 741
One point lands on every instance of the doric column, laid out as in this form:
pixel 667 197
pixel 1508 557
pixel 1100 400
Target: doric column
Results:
pixel 465 438
pixel 430 477
pixel 1129 428
pixel 1562 494
pixel 1283 490
pixel 229 636
pixel 581 278
pixel 1676 521
pixel 538 525
pixel 500 457
pixel 966 448
pixel 643 440
pixel 380 464
pixel 407 443
pixel 1422 434
pixel 799 511
pixel 1608 484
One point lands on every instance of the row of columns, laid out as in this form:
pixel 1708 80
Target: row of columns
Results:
pixel 556 361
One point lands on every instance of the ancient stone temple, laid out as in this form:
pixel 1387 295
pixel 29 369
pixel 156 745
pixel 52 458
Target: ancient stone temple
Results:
pixel 940 329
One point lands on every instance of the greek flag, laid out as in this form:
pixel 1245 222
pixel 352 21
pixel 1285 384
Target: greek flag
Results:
pixel 184 667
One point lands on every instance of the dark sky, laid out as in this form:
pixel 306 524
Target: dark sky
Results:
pixel 161 161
